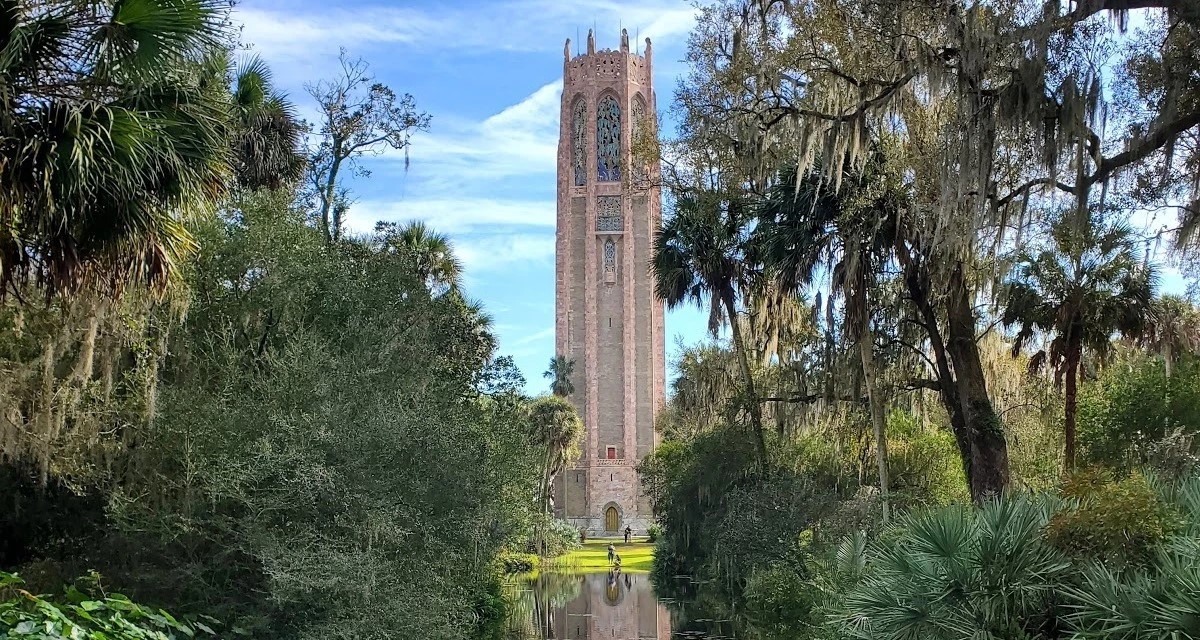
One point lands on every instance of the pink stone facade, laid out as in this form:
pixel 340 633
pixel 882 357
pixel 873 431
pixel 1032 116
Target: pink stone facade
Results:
pixel 612 607
pixel 608 319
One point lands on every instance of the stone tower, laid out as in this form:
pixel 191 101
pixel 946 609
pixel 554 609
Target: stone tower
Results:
pixel 608 319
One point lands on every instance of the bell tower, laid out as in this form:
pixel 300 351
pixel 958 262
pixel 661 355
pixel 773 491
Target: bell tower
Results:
pixel 608 319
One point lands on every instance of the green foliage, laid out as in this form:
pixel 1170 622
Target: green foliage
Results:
pixel 653 533
pixel 321 431
pixel 115 134
pixel 1117 521
pixel 781 600
pixel 321 435
pixel 997 571
pixel 78 614
pixel 559 372
pixel 551 537
pixel 1125 415
pixel 511 562
pixel 923 464
pixel 1158 600
pixel 959 572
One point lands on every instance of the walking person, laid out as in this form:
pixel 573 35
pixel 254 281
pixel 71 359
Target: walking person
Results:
pixel 628 534
pixel 612 551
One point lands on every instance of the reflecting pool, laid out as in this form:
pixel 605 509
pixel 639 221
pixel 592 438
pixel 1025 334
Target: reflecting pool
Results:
pixel 595 606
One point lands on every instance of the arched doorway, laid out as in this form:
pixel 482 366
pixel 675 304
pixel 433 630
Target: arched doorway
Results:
pixel 612 519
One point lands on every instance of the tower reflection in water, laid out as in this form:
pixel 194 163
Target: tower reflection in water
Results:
pixel 613 606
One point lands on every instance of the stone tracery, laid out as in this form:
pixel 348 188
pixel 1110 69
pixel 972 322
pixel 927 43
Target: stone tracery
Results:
pixel 608 140
pixel 579 141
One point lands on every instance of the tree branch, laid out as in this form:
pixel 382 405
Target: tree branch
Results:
pixel 1031 184
pixel 1144 147
pixel 922 383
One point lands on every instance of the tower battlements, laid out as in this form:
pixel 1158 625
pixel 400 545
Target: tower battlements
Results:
pixel 609 63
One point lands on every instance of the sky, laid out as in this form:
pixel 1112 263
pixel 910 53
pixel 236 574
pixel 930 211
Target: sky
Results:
pixel 489 72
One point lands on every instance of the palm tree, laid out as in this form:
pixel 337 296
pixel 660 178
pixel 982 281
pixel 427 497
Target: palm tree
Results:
pixel 1086 286
pixel 1172 327
pixel 432 253
pixel 267 132
pixel 699 258
pixel 113 138
pixel 805 224
pixel 559 374
pixel 933 575
pixel 554 426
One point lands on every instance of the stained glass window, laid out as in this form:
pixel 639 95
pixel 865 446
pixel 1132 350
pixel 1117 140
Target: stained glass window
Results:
pixel 610 261
pixel 608 213
pixel 579 140
pixel 639 133
pixel 608 140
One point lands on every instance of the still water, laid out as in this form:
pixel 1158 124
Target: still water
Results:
pixel 608 606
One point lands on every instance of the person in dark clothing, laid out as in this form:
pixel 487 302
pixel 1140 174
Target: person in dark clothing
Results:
pixel 612 551
pixel 628 534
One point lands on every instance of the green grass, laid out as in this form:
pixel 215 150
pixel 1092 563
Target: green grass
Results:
pixel 636 557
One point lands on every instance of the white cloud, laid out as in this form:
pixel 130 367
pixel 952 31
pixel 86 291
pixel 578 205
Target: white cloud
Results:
pixel 521 140
pixel 540 336
pixel 454 215
pixel 286 30
pixel 491 253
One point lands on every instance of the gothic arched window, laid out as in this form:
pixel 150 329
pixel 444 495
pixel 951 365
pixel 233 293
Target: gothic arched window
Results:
pixel 579 141
pixel 640 131
pixel 610 261
pixel 608 140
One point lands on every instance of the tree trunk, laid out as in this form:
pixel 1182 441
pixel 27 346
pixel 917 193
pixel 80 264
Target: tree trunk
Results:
pixel 546 483
pixel 866 345
pixel 1074 353
pixel 327 196
pixel 744 363
pixel 989 450
pixel 1169 359
pixel 918 291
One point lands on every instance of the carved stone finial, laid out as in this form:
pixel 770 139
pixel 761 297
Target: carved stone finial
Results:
pixel 647 55
pixel 567 51
pixel 624 41
pixel 591 42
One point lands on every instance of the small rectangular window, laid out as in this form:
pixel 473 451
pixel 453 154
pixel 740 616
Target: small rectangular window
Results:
pixel 612 453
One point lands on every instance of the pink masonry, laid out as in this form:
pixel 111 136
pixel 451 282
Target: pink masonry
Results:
pixel 608 318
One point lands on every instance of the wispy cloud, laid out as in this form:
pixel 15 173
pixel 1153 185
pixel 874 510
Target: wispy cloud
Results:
pixel 490 253
pixel 278 29
pixel 455 215
pixel 521 140
pixel 544 334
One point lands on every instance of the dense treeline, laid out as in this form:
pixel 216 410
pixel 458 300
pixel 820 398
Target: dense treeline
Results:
pixel 213 398
pixel 946 399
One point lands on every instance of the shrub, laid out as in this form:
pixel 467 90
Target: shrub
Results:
pixel 958 572
pixel 551 537
pixel 83 615
pixel 923 464
pixel 1133 407
pixel 1115 521
pixel 511 563
pixel 781 599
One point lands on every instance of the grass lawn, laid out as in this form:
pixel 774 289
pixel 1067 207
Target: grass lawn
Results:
pixel 636 556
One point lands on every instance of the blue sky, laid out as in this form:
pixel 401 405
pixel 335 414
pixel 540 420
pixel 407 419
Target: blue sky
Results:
pixel 489 72
pixel 490 75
